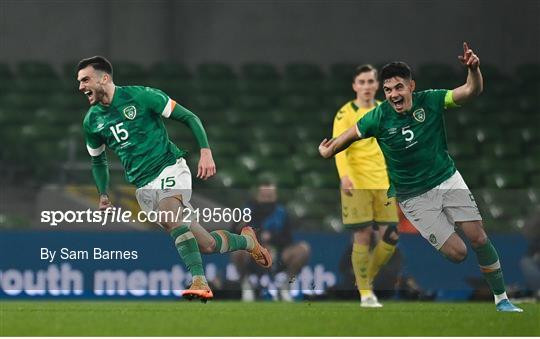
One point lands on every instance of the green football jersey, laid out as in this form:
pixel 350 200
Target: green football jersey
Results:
pixel 413 144
pixel 132 127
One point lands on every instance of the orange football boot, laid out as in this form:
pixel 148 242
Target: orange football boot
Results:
pixel 260 254
pixel 199 289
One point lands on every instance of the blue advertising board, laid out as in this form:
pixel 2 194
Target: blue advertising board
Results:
pixel 146 265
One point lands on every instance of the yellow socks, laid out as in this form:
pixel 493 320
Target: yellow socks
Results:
pixel 360 260
pixel 366 265
pixel 382 252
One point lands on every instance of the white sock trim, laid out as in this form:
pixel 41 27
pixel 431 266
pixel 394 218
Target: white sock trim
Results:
pixel 250 242
pixel 499 297
pixel 495 266
pixel 184 237
pixel 224 241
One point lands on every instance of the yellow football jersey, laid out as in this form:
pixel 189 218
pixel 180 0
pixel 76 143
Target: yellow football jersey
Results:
pixel 363 161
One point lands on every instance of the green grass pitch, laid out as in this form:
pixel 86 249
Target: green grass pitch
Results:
pixel 225 318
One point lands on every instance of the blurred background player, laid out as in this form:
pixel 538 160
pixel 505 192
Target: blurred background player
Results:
pixel 431 192
pixel 530 262
pixel 128 120
pixel 274 230
pixel 364 183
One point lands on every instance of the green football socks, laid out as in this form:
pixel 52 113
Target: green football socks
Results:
pixel 229 242
pixel 187 247
pixel 488 259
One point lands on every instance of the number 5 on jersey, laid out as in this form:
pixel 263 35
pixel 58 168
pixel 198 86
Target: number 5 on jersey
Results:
pixel 120 134
pixel 406 131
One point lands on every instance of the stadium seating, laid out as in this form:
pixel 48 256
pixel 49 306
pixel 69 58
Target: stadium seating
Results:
pixel 130 73
pixel 435 75
pixel 264 120
pixel 216 78
pixel 170 71
pixel 535 180
pixel 6 78
pixel 303 78
pixel 342 72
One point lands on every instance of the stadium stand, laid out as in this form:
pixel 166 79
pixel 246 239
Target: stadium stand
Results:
pixel 263 120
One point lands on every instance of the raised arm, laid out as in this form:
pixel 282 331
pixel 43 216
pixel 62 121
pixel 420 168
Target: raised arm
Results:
pixel 474 84
pixel 329 148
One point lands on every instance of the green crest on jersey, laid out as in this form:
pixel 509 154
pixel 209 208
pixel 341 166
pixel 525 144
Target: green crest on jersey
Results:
pixel 419 115
pixel 432 239
pixel 130 112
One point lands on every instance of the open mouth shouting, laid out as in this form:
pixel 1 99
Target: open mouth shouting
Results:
pixel 398 103
pixel 90 95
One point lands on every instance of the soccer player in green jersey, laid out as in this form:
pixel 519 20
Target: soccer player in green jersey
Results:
pixel 129 120
pixel 409 128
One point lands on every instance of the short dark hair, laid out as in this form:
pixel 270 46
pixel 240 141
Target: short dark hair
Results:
pixel 98 62
pixel 396 69
pixel 364 69
pixel 266 180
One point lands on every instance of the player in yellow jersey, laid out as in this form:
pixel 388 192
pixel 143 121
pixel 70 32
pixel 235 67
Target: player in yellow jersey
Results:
pixel 364 182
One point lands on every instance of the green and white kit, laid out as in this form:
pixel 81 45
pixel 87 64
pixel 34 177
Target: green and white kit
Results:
pixel 423 177
pixel 132 127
